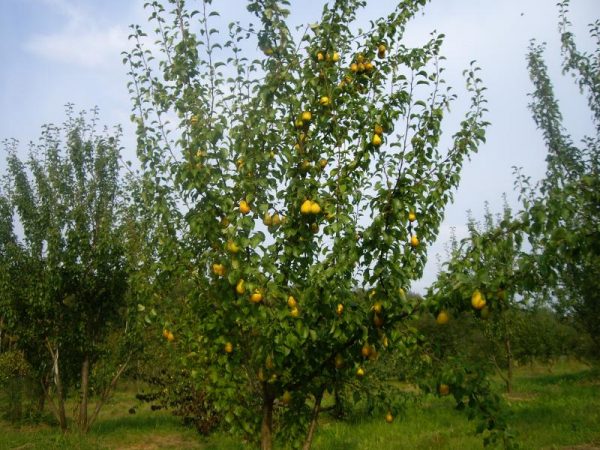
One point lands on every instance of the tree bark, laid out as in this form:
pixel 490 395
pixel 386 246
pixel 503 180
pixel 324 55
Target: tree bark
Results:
pixel 313 421
pixel 60 412
pixel 266 429
pixel 83 405
pixel 509 365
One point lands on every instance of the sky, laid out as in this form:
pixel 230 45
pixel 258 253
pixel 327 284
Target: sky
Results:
pixel 55 52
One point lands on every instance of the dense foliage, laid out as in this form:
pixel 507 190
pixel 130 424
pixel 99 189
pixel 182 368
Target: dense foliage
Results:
pixel 564 218
pixel 66 285
pixel 285 184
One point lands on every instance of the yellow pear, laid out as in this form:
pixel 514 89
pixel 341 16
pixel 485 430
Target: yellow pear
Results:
pixel 442 318
pixel 240 287
pixel 244 207
pixel 389 418
pixel 291 302
pixel 232 247
pixel 477 300
pixel 414 240
pixel 256 296
pixel 306 207
pixel 315 208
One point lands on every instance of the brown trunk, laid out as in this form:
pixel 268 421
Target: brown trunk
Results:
pixel 313 421
pixel 62 416
pixel 266 429
pixel 41 403
pixel 83 405
pixel 60 410
pixel 15 399
pixel 105 395
pixel 339 408
pixel 509 365
pixel 509 356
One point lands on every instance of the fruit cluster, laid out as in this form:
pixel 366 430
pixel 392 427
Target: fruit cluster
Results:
pixel 293 305
pixel 310 207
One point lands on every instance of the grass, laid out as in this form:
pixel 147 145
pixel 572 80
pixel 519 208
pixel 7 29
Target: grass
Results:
pixel 558 410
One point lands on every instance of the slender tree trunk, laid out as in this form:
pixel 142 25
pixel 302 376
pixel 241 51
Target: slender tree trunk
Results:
pixel 509 364
pixel 61 415
pixel 266 429
pixel 1 332
pixel 339 407
pixel 41 395
pixel 105 395
pixel 41 404
pixel 83 405
pixel 313 421
pixel 15 399
pixel 507 348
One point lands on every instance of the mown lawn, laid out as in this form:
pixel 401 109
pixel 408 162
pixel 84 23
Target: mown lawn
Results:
pixel 558 410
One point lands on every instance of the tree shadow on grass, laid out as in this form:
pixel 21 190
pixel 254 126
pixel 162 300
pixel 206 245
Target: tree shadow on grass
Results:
pixel 567 378
pixel 136 423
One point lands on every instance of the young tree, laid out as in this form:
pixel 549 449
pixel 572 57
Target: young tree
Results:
pixel 66 197
pixel 287 182
pixel 490 272
pixel 564 217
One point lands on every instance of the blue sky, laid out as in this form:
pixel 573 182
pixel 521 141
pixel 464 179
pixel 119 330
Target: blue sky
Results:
pixel 59 51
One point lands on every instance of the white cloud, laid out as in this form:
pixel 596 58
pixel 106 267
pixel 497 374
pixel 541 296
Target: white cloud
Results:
pixel 80 41
pixel 88 48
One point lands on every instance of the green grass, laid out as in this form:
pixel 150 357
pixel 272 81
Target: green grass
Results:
pixel 557 410
pixel 549 411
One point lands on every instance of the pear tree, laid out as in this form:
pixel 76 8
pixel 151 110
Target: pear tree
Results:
pixel 563 212
pixel 284 182
pixel 491 273
pixel 68 277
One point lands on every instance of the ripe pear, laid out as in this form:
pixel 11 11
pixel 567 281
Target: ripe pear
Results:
pixel 306 207
pixel 477 300
pixel 315 208
pixel 240 287
pixel 442 318
pixel 291 302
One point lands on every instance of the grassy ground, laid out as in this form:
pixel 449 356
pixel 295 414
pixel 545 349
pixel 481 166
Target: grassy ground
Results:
pixel 550 411
pixel 558 410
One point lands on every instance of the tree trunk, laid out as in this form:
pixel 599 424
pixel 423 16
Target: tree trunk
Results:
pixel 41 404
pixel 509 355
pixel 266 429
pixel 105 395
pixel 61 415
pixel 15 398
pixel 509 365
pixel 41 396
pixel 339 407
pixel 313 421
pixel 83 405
